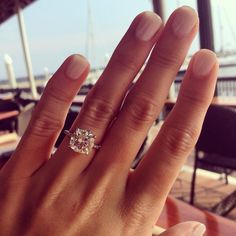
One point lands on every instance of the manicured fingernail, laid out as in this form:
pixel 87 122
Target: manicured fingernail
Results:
pixel 184 21
pixel 148 26
pixel 76 67
pixel 199 230
pixel 203 63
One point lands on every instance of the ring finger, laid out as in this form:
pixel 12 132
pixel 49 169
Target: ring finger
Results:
pixel 103 102
pixel 36 145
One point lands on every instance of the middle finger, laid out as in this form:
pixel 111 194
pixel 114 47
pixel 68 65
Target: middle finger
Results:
pixel 146 99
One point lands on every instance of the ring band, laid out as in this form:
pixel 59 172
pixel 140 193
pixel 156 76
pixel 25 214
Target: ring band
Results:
pixel 82 140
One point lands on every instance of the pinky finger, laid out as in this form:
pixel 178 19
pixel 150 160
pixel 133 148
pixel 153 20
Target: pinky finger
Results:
pixel 157 172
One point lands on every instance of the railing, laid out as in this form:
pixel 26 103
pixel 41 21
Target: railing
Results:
pixel 226 86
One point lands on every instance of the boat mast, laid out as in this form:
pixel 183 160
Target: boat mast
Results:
pixel 26 51
pixel 90 36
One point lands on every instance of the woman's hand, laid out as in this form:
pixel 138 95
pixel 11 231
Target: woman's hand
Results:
pixel 76 194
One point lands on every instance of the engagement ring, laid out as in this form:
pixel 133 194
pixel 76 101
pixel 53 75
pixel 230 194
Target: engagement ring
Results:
pixel 82 140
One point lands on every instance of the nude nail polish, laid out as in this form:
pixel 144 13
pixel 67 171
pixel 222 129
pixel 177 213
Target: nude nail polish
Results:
pixel 76 67
pixel 203 63
pixel 184 21
pixel 148 26
pixel 199 230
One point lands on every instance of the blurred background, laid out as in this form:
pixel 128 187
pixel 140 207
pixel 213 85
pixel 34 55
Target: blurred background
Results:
pixel 56 29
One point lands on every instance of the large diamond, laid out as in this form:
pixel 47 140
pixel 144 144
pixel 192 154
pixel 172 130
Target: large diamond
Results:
pixel 82 141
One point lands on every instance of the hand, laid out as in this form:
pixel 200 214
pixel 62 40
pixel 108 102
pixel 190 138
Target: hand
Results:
pixel 73 194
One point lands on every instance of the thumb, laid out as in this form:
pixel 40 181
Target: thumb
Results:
pixel 190 228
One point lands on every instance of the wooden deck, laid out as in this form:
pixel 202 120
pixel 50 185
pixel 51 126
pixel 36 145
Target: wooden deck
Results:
pixel 209 189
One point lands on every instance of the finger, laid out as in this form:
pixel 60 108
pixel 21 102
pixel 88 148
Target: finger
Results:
pixel 104 100
pixel 157 230
pixel 190 228
pixel 155 175
pixel 145 101
pixel 48 118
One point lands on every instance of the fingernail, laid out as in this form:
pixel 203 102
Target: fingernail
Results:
pixel 76 67
pixel 203 63
pixel 199 230
pixel 184 21
pixel 148 26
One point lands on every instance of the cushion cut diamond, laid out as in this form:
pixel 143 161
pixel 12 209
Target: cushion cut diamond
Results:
pixel 82 141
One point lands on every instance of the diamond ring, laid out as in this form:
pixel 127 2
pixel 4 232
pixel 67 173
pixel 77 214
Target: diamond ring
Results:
pixel 82 140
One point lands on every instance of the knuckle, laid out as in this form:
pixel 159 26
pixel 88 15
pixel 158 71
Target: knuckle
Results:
pixel 141 112
pixel 165 60
pixel 190 97
pixel 98 109
pixel 126 61
pixel 45 125
pixel 179 141
pixel 58 95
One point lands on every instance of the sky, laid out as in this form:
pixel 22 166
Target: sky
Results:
pixel 58 28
